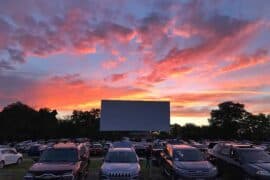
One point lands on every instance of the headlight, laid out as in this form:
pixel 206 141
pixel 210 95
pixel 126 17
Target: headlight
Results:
pixel 213 169
pixel 263 173
pixel 28 176
pixel 68 176
pixel 180 170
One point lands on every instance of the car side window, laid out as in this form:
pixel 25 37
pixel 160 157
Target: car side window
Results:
pixel 225 151
pixel 216 148
pixel 5 152
pixel 234 155
pixel 11 152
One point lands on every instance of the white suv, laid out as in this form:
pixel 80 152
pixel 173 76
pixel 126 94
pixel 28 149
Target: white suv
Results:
pixel 9 156
pixel 120 163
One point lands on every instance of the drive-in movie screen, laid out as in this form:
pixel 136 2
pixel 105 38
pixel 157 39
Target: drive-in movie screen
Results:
pixel 134 89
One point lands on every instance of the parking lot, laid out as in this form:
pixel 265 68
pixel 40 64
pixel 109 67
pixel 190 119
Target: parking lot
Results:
pixel 14 172
pixel 97 151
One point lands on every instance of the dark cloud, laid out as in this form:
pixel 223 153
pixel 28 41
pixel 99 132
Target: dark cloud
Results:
pixel 116 77
pixel 5 65
pixel 70 79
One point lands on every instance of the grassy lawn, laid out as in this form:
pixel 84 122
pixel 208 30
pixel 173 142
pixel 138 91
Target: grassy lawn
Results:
pixel 15 172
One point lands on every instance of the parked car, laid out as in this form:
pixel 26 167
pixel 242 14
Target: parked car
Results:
pixel 96 149
pixel 63 161
pixel 36 150
pixel 107 146
pixel 187 162
pixel 23 146
pixel 120 163
pixel 9 156
pixel 123 144
pixel 242 161
pixel 157 149
pixel 140 149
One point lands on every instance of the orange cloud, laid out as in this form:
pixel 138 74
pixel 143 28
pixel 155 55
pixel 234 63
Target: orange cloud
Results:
pixel 70 92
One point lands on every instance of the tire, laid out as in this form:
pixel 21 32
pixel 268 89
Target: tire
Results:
pixel 2 164
pixel 163 171
pixel 19 161
pixel 173 177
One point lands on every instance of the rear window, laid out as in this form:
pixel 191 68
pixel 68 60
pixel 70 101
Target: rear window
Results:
pixel 254 156
pixel 59 155
pixel 188 155
pixel 121 157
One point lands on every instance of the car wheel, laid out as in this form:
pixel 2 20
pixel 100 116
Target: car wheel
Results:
pixel 173 176
pixel 2 164
pixel 19 161
pixel 163 172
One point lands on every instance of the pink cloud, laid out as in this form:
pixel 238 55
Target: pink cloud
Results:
pixel 244 61
pixel 111 64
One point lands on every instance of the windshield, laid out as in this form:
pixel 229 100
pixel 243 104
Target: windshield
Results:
pixel 121 157
pixel 156 146
pixel 188 155
pixel 254 156
pixel 97 146
pixel 59 155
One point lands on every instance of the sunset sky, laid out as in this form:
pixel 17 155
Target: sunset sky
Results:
pixel 69 55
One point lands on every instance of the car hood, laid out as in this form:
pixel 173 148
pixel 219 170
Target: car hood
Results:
pixel 265 166
pixel 193 164
pixel 123 167
pixel 52 167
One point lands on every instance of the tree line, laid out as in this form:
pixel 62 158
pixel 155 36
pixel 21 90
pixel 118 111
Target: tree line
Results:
pixel 230 120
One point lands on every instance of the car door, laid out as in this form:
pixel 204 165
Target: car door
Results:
pixel 13 156
pixel 7 157
pixel 235 165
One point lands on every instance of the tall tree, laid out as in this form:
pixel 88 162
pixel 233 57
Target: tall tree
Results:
pixel 226 119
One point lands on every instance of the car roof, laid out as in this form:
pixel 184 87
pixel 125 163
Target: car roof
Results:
pixel 237 145
pixel 182 146
pixel 121 149
pixel 7 148
pixel 65 145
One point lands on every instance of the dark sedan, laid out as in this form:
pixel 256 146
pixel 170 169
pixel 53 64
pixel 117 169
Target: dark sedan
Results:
pixel 242 161
pixel 186 162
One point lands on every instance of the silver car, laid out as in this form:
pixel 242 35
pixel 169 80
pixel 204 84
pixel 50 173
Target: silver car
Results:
pixel 120 163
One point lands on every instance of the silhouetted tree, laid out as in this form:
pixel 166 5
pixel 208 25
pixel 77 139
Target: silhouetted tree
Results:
pixel 255 127
pixel 226 119
pixel 175 130
pixel 19 121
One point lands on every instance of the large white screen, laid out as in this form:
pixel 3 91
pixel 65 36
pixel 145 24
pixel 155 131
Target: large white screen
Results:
pixel 134 115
